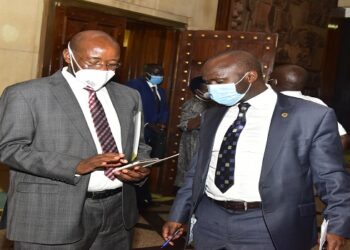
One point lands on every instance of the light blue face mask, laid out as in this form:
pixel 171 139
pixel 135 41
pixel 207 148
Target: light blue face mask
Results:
pixel 155 80
pixel 226 93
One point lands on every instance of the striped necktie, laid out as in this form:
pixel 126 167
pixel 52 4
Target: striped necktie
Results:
pixel 102 128
pixel 225 168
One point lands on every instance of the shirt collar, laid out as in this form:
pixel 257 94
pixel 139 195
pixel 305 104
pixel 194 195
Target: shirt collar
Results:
pixel 151 85
pixel 267 97
pixel 292 93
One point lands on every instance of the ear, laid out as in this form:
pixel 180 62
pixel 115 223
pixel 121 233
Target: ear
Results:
pixel 66 56
pixel 252 76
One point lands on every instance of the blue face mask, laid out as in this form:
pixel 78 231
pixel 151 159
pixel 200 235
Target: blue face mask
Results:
pixel 155 80
pixel 226 93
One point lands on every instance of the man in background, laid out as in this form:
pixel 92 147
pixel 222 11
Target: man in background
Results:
pixel 290 80
pixel 189 124
pixel 62 137
pixel 156 114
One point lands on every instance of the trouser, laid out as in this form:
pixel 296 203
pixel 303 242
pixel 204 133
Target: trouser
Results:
pixel 103 228
pixel 218 228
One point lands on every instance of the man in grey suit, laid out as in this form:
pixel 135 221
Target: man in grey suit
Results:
pixel 250 184
pixel 63 194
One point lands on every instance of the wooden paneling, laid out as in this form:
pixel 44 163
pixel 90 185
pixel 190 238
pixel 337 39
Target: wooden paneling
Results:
pixel 149 43
pixel 4 178
pixel 195 47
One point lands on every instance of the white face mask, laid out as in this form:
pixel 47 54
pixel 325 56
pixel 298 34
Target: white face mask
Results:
pixel 94 78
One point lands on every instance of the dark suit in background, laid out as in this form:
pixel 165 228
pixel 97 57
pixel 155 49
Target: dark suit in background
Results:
pixel 152 114
pixel 156 114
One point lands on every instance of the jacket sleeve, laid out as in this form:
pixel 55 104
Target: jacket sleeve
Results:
pixel 17 132
pixel 330 177
pixel 181 209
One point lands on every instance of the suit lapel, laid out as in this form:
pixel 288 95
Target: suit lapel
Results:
pixel 280 121
pixel 69 104
pixel 211 124
pixel 122 108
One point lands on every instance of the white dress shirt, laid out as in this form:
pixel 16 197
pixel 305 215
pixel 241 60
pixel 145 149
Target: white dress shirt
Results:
pixel 249 152
pixel 299 94
pixel 98 181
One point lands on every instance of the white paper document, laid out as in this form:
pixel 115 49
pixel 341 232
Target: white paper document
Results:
pixel 137 121
pixel 193 221
pixel 145 163
pixel 323 236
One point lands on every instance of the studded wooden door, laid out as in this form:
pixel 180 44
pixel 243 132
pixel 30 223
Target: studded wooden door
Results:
pixel 194 48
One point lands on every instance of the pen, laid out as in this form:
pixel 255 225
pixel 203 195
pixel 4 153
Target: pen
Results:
pixel 171 237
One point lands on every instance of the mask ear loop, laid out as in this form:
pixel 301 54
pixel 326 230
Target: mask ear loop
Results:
pixel 71 58
pixel 242 78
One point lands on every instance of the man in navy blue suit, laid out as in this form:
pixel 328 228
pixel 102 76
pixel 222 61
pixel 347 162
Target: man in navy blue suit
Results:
pixel 250 185
pixel 156 114
pixel 155 107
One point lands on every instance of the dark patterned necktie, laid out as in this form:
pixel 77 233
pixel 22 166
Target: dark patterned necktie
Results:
pixel 224 174
pixel 102 128
pixel 156 98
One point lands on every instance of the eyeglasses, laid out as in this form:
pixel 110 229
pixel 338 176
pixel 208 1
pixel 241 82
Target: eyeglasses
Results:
pixel 96 63
pixel 99 65
pixel 272 82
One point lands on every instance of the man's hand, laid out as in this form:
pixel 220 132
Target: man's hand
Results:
pixel 169 229
pixel 133 174
pixel 106 160
pixel 194 123
pixel 158 128
pixel 335 242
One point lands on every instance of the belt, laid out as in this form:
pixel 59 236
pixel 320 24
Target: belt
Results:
pixel 102 194
pixel 237 205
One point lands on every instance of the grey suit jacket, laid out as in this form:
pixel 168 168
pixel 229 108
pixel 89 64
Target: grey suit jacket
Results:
pixel 303 149
pixel 43 136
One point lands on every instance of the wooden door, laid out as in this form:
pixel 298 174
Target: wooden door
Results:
pixel 150 43
pixel 71 20
pixel 194 48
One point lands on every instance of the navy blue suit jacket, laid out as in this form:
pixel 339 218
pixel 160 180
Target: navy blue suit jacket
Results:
pixel 303 149
pixel 151 115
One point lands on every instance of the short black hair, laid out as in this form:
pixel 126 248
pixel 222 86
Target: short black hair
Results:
pixel 196 83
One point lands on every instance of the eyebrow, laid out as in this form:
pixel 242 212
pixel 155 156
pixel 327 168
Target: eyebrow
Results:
pixel 99 58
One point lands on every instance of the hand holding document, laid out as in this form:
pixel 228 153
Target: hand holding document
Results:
pixel 144 163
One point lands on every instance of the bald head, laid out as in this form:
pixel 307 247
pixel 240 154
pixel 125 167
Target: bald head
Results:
pixel 243 61
pixel 289 78
pixel 91 37
pixel 92 49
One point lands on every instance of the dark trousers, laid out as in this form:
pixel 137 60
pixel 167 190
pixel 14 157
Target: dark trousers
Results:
pixel 157 141
pixel 218 228
pixel 103 228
